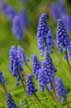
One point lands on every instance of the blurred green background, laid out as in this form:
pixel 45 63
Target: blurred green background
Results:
pixel 34 8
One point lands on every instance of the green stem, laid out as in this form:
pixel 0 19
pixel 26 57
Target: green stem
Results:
pixel 4 87
pixel 38 99
pixel 22 81
pixel 50 93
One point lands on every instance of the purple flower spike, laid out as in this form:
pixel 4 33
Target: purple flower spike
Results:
pixel 43 79
pixel 17 28
pixel 41 32
pixel 30 86
pixel 10 102
pixel 57 9
pixel 22 56
pixel 61 91
pixel 24 18
pixel 50 63
pixel 44 36
pixel 2 78
pixel 15 64
pixel 46 74
pixel 35 66
pixel 54 11
pixel 67 21
pixel 49 42
pixel 62 36
pixel 8 11
pixel 69 51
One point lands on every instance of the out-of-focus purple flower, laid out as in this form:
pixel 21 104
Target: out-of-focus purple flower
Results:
pixel 44 36
pixel 67 21
pixel 8 11
pixel 62 36
pixel 30 86
pixel 57 9
pixel 10 102
pixel 61 6
pixel 22 56
pixel 61 91
pixel 46 74
pixel 24 18
pixel 17 28
pixel 15 64
pixel 54 11
pixel 69 51
pixel 35 66
pixel 2 78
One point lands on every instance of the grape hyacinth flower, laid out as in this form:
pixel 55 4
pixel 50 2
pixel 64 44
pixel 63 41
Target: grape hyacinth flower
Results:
pixel 35 66
pixel 69 51
pixel 57 9
pixel 43 32
pixel 16 65
pixel 50 62
pixel 8 11
pixel 2 82
pixel 54 11
pixel 22 56
pixel 10 102
pixel 62 36
pixel 30 85
pixel 2 78
pixel 24 18
pixel 17 28
pixel 46 74
pixel 66 18
pixel 61 91
pixel 63 40
pixel 43 79
pixel 49 42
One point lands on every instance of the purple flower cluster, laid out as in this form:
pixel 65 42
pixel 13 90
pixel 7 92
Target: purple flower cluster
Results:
pixel 44 36
pixel 58 11
pixel 30 86
pixel 8 11
pixel 61 91
pixel 35 66
pixel 66 18
pixel 19 20
pixel 15 64
pixel 49 42
pixel 55 11
pixel 50 62
pixel 2 78
pixel 17 28
pixel 10 101
pixel 69 51
pixel 62 36
pixel 22 56
pixel 24 18
pixel 46 73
